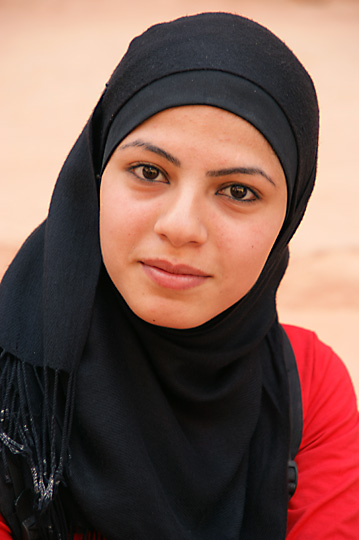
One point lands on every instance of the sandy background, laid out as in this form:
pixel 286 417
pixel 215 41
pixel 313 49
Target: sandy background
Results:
pixel 55 57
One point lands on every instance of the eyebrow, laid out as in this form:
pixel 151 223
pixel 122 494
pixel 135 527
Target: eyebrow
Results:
pixel 215 173
pixel 154 149
pixel 241 170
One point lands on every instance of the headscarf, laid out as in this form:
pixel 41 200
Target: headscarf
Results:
pixel 137 431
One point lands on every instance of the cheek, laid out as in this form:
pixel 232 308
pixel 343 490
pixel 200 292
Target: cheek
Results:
pixel 245 262
pixel 124 223
pixel 244 252
pixel 113 232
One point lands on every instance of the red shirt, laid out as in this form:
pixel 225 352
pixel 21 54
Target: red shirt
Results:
pixel 325 505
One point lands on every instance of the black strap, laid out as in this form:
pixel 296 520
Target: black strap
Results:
pixel 296 412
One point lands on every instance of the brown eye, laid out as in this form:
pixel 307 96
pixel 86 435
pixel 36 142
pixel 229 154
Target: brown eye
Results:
pixel 238 192
pixel 149 172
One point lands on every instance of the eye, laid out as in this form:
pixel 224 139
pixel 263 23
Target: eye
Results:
pixel 238 192
pixel 148 172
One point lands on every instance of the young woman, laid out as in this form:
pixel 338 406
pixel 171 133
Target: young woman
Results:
pixel 144 391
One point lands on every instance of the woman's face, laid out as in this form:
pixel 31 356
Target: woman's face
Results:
pixel 191 203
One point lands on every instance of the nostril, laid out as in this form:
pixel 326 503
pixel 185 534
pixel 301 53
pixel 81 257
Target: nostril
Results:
pixel 180 229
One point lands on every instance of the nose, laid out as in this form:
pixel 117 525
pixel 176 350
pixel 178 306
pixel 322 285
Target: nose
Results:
pixel 179 220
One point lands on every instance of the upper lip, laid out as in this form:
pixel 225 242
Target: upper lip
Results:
pixel 167 266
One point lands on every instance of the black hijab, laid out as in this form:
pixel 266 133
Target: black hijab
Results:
pixel 138 431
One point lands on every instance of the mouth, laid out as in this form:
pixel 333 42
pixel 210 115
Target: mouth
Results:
pixel 173 276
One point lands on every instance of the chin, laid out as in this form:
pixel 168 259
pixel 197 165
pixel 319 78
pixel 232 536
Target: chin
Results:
pixel 168 317
pixel 177 323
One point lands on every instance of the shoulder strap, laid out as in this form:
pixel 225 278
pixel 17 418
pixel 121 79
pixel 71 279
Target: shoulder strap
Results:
pixel 296 412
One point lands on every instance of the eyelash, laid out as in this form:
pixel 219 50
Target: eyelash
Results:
pixel 246 190
pixel 158 172
pixel 142 166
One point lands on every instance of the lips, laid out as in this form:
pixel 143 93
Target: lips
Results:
pixel 173 276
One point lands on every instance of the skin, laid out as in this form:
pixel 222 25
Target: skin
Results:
pixel 191 203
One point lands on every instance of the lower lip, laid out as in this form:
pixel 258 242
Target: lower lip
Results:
pixel 172 281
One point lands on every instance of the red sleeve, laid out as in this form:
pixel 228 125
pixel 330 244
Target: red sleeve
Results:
pixel 325 505
pixel 6 535
pixel 4 530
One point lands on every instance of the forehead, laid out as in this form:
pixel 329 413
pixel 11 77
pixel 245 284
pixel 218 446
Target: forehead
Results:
pixel 201 125
pixel 201 139
pixel 190 113
pixel 226 91
pixel 199 121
